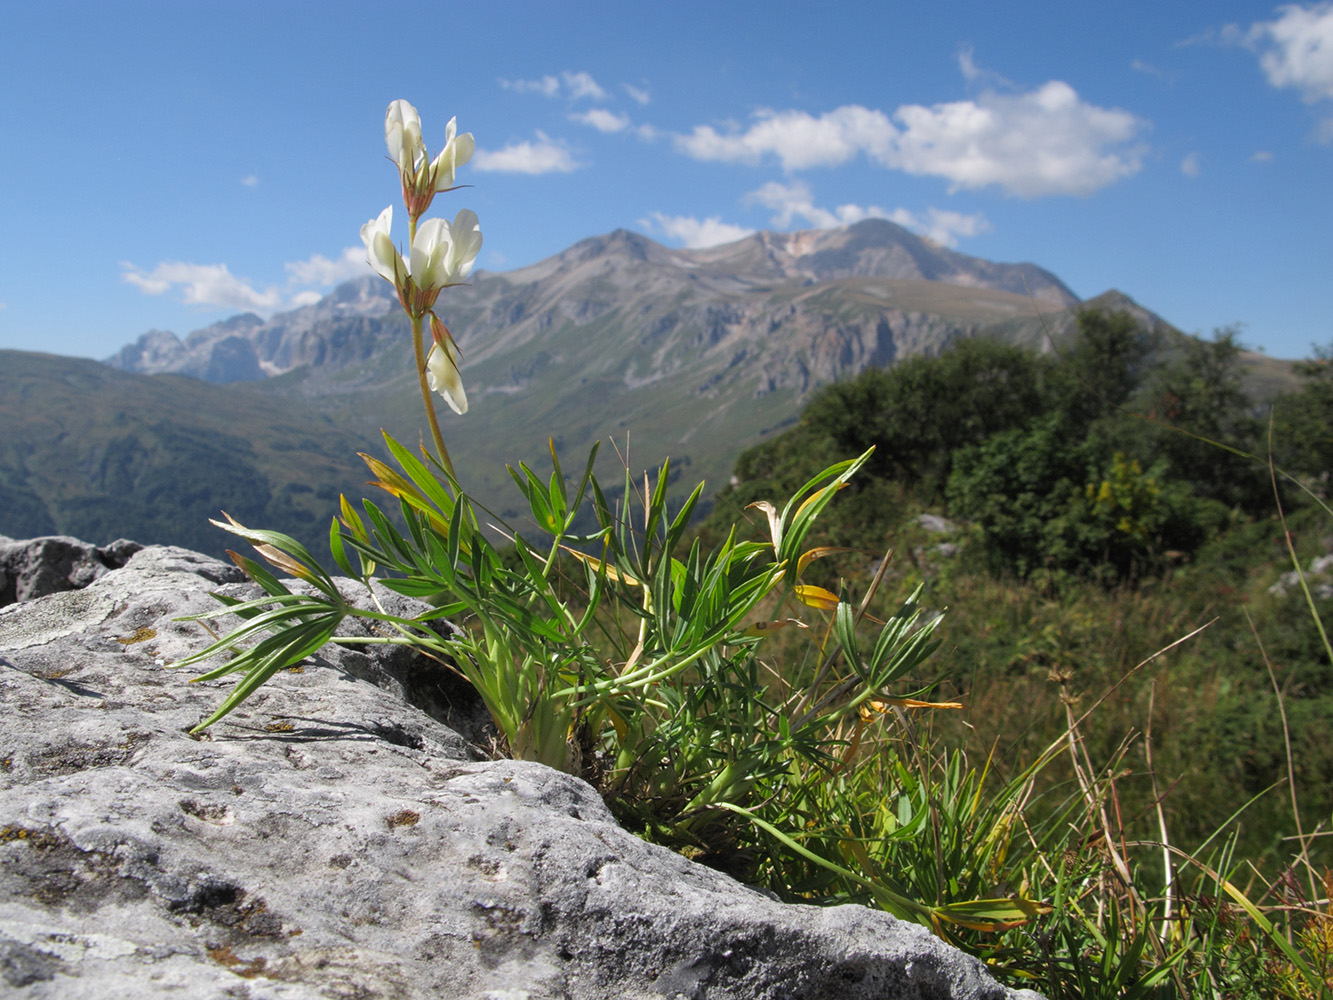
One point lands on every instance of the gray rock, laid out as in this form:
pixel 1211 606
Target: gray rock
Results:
pixel 41 566
pixel 330 839
pixel 935 524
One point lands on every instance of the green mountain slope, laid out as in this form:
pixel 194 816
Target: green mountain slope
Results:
pixel 89 451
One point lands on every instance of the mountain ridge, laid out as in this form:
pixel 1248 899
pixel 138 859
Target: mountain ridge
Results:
pixel 247 348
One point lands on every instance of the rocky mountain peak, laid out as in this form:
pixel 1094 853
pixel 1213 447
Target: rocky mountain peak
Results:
pixel 620 272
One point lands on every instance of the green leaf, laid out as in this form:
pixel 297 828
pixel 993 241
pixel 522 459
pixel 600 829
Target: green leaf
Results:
pixel 287 649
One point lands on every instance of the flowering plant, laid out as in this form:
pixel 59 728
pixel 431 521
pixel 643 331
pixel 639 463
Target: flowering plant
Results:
pixel 605 643
pixel 440 254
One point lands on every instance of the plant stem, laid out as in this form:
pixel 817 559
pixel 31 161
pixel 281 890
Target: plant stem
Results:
pixel 426 400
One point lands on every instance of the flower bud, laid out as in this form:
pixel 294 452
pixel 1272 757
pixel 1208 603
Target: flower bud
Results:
pixel 422 179
pixel 442 372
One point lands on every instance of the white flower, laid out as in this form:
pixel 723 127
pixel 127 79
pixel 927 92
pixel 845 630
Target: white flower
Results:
pixel 458 149
pixel 421 179
pixel 402 133
pixel 442 367
pixel 466 244
pixel 444 254
pixel 381 254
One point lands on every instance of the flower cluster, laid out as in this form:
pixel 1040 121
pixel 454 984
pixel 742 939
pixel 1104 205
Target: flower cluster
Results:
pixel 441 253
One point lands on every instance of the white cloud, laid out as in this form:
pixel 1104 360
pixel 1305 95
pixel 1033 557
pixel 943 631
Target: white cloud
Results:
pixel 567 84
pixel 798 139
pixel 545 156
pixel 1296 49
pixel 1192 165
pixel 547 86
pixel 973 73
pixel 602 120
pixel 695 233
pixel 1148 69
pixel 639 95
pixel 942 226
pixel 202 284
pixel 582 85
pixel 794 203
pixel 1261 156
pixel 215 285
pixel 1046 142
pixel 250 180
pixel 320 270
pixel 306 298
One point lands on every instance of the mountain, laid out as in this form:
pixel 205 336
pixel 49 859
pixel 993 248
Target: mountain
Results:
pixel 630 267
pixel 100 454
pixel 246 348
pixel 692 354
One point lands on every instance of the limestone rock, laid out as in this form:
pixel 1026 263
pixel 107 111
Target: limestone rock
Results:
pixel 41 566
pixel 330 839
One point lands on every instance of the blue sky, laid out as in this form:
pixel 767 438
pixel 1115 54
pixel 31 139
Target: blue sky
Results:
pixel 166 165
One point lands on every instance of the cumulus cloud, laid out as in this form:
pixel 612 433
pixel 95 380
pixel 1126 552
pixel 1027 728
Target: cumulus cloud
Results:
pixel 799 140
pixel 572 85
pixel 794 204
pixel 639 95
pixel 547 86
pixel 215 285
pixel 306 298
pixel 250 180
pixel 1045 142
pixel 602 120
pixel 1192 165
pixel 320 270
pixel 582 85
pixel 941 225
pixel 545 156
pixel 697 233
pixel 202 284
pixel 1296 49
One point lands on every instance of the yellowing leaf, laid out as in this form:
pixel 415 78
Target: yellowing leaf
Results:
pixel 762 629
pixel 816 597
pixel 611 572
pixel 351 519
pixel 814 497
pixel 283 561
pixel 819 552
pixel 774 520
pixel 883 704
pixel 991 914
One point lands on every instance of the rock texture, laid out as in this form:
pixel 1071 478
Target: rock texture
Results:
pixel 43 566
pixel 331 839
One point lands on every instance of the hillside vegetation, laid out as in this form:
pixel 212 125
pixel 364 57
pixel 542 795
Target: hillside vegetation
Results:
pixel 1101 504
pixel 100 454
